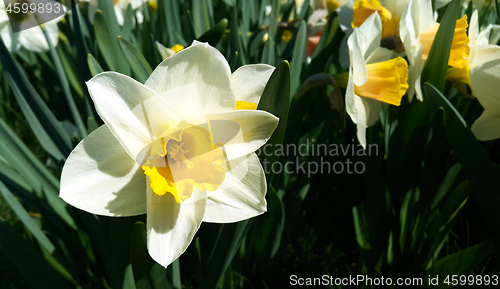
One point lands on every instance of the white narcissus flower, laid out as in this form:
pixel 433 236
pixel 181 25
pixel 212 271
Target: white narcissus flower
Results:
pixel 354 12
pixel 175 148
pixel 32 38
pixel 417 31
pixel 120 9
pixel 375 76
pixel 482 74
pixel 167 52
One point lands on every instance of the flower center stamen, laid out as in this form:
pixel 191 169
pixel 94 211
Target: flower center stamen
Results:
pixel 177 153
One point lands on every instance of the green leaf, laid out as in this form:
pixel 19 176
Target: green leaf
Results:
pixel 35 230
pixel 273 20
pixel 77 118
pixel 276 100
pixel 28 261
pixel 482 175
pixel 127 22
pixel 26 219
pixel 37 128
pixel 176 274
pixel 436 65
pixel 33 171
pixel 328 33
pixel 139 255
pixel 265 236
pixel 94 66
pixel 268 53
pixel 235 38
pixel 200 17
pixel 45 116
pixel 462 262
pixel 139 64
pixel 229 242
pixel 214 35
pixel 128 281
pixel 298 57
pixel 108 44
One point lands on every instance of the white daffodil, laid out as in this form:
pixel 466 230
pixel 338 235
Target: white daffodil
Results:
pixel 482 74
pixel 374 76
pixel 120 7
pixel 417 31
pixel 167 52
pixel 175 148
pixel 354 12
pixel 32 38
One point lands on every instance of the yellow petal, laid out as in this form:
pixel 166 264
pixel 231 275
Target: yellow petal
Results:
pixel 460 45
pixel 332 5
pixel 245 105
pixel 459 75
pixel 365 8
pixel 387 81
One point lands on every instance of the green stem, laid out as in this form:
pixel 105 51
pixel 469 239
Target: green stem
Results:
pixel 65 85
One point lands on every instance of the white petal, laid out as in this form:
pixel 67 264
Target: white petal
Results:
pixel 357 110
pixel 395 7
pixel 33 39
pixel 136 3
pixel 370 33
pixel 248 82
pixel 119 14
pixel 99 177
pixel 409 31
pixel 164 51
pixel 380 55
pixel 373 108
pixel 486 127
pixel 481 54
pixel 203 66
pixel 172 226
pixel 11 40
pixel 242 131
pixel 241 195
pixel 357 59
pixel 473 29
pixel 425 15
pixel 362 42
pixel 484 80
pixel 134 113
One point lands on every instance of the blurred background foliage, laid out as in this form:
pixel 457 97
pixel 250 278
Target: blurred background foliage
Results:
pixel 428 202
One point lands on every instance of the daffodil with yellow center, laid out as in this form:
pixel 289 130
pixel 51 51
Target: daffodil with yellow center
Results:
pixel 482 74
pixel 174 148
pixel 375 76
pixel 352 13
pixel 167 52
pixel 418 31
pixel 30 35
